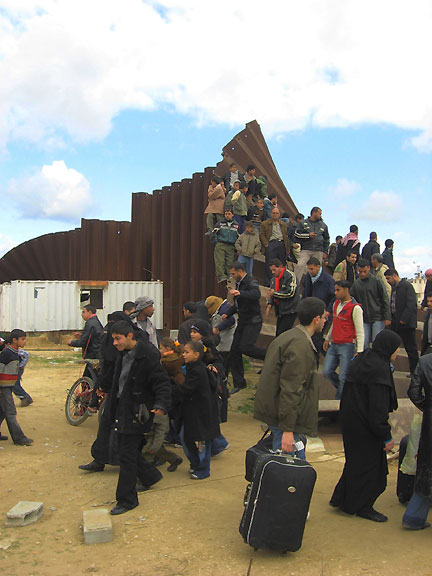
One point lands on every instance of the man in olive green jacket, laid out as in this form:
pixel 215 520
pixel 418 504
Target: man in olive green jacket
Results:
pixel 287 394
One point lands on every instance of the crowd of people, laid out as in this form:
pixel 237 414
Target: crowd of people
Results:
pixel 330 300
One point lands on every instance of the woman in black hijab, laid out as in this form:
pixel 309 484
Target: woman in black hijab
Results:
pixel 368 397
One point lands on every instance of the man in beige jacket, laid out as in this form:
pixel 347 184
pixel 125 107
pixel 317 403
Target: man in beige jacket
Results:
pixel 248 245
pixel 379 269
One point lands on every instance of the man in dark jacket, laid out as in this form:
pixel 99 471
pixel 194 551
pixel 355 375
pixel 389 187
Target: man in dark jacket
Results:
pixel 350 243
pixel 284 296
pixel 103 453
pixel 314 238
pixel 190 315
pixel 428 288
pixel 404 314
pixel 420 393
pixel 287 393
pixel 371 247
pixel 388 253
pixel 89 339
pixel 371 294
pixel 140 388
pixel 319 284
pixel 247 306
pixel 426 347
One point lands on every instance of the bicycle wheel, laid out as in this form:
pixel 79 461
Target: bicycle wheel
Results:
pixel 78 400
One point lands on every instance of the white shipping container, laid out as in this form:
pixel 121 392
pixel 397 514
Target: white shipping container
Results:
pixel 47 305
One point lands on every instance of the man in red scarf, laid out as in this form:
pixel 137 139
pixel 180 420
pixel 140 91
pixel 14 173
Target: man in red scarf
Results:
pixel 350 242
pixel 284 295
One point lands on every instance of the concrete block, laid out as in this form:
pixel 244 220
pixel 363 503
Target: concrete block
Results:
pixel 97 526
pixel 24 513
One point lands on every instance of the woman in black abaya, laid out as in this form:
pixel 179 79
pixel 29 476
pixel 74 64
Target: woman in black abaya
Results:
pixel 368 397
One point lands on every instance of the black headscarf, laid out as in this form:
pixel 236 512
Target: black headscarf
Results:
pixel 373 365
pixel 386 343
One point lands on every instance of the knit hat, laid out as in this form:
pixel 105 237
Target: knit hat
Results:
pixel 427 273
pixel 201 326
pixel 213 303
pixel 142 302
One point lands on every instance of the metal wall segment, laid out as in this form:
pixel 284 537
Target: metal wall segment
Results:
pixel 165 239
pixel 141 235
pixel 43 306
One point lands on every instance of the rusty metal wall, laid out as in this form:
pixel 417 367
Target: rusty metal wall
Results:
pixel 164 240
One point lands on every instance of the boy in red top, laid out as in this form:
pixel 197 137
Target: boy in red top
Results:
pixel 345 339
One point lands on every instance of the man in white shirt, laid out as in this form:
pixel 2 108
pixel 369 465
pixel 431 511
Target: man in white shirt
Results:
pixel 144 311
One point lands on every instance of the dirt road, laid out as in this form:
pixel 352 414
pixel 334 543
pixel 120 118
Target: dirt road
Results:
pixel 182 527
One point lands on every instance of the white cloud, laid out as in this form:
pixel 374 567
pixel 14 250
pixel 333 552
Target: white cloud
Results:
pixel 55 192
pixel 71 67
pixel 408 260
pixel 379 207
pixel 6 244
pixel 344 188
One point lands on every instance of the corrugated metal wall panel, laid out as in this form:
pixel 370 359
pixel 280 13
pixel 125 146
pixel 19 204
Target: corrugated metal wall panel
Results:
pixel 165 236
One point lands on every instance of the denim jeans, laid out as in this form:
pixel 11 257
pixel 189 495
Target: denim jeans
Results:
pixel 18 390
pixel 338 355
pixel 219 444
pixel 241 222
pixel 199 461
pixel 248 260
pixel 416 512
pixel 277 442
pixel 371 330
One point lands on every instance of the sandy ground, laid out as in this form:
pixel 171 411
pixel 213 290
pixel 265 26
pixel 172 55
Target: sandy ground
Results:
pixel 182 527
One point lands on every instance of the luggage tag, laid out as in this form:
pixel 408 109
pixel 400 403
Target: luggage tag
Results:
pixel 299 445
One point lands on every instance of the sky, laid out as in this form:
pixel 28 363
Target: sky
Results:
pixel 104 98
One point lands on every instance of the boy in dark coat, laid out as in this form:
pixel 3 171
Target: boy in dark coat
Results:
pixel 199 411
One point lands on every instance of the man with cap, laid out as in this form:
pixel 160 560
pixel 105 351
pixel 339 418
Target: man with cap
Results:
pixel 144 311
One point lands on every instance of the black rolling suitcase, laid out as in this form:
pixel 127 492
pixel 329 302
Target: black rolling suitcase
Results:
pixel 405 482
pixel 277 500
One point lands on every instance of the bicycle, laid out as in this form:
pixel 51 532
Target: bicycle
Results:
pixel 80 394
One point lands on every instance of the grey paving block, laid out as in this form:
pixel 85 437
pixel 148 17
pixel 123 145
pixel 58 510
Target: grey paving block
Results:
pixel 97 526
pixel 24 513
